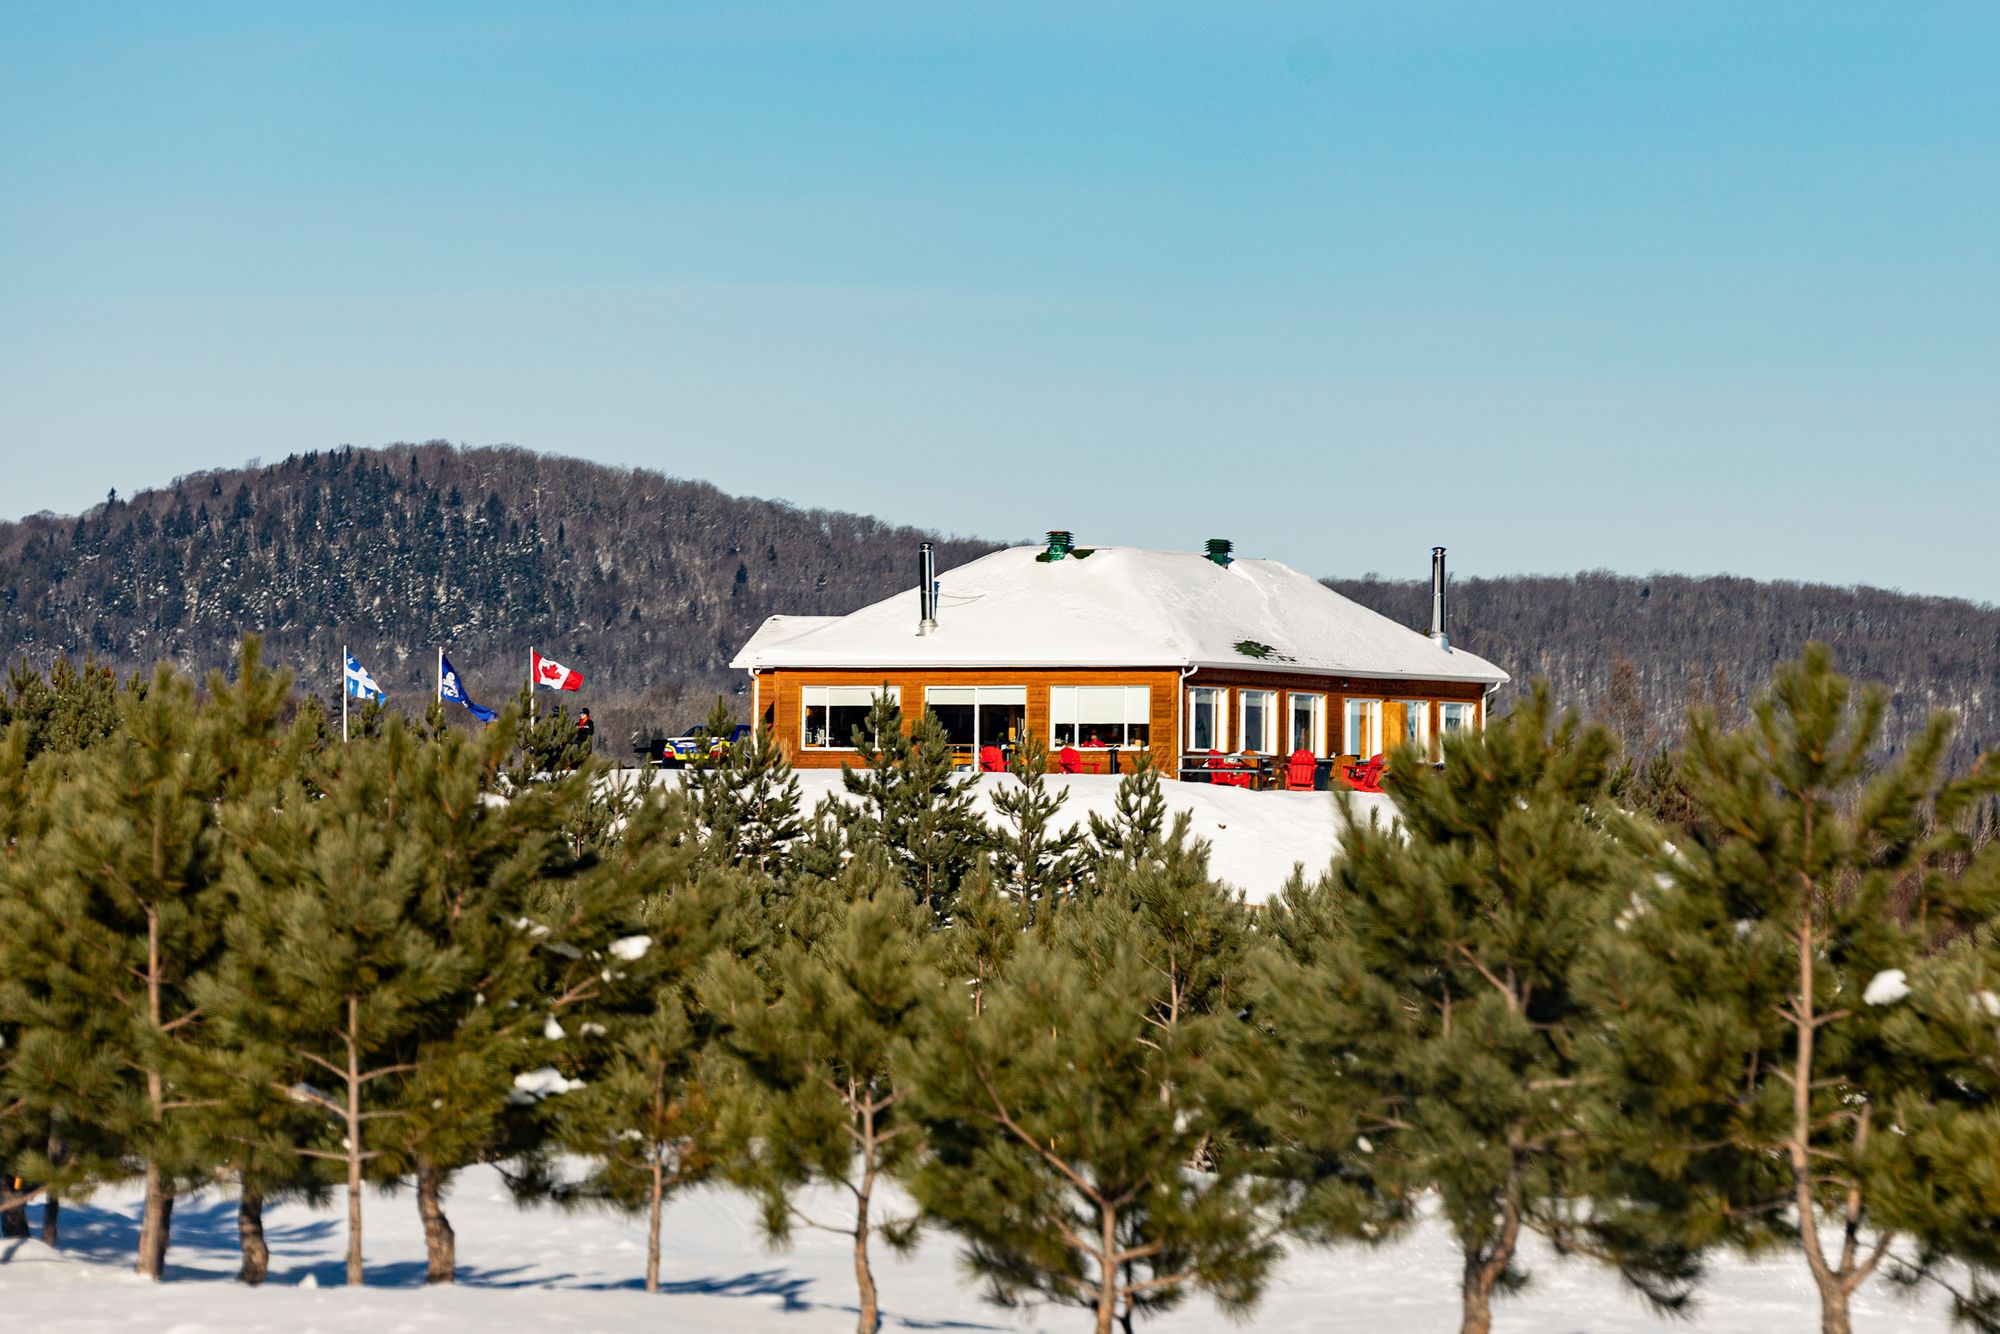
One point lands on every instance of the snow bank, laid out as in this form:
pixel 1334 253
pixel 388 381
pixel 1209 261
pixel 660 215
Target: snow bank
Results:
pixel 1254 838
pixel 537 1269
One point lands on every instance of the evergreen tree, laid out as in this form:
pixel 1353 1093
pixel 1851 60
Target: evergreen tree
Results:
pixel 1036 862
pixel 491 895
pixel 746 796
pixel 984 931
pixel 1139 819
pixel 112 926
pixel 330 979
pixel 814 1092
pixel 640 1111
pixel 1441 1017
pixel 1062 1123
pixel 1797 1010
pixel 913 803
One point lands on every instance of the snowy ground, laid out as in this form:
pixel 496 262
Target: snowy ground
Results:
pixel 1256 838
pixel 550 1271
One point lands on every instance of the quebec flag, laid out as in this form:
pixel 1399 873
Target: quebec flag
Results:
pixel 360 683
pixel 451 690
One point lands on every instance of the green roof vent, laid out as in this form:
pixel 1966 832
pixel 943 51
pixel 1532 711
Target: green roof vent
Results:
pixel 1061 543
pixel 1219 549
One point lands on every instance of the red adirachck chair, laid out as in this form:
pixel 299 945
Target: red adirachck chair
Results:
pixel 1068 761
pixel 1227 773
pixel 991 761
pixel 1299 773
pixel 1367 777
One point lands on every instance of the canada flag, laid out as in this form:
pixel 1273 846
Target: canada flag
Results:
pixel 552 674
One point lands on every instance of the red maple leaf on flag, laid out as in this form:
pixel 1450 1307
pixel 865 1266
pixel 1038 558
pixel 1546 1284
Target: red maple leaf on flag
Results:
pixel 553 675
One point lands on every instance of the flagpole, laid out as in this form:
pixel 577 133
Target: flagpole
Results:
pixel 438 680
pixel 343 694
pixel 531 684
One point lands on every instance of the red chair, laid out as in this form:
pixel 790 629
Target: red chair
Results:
pixel 1366 777
pixel 1299 773
pixel 1068 761
pixel 991 761
pixel 1226 772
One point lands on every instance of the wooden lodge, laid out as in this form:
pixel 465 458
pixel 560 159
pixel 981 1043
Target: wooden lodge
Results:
pixel 1114 650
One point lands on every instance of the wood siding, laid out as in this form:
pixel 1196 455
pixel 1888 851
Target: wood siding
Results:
pixel 780 698
pixel 779 701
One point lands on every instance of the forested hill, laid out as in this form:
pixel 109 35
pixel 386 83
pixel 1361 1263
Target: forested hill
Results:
pixel 645 583
pixel 1635 652
pixel 649 584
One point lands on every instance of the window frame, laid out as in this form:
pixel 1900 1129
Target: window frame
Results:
pixel 1268 741
pixel 1317 701
pixel 1371 707
pixel 1143 695
pixel 979 705
pixel 806 703
pixel 1421 710
pixel 1219 700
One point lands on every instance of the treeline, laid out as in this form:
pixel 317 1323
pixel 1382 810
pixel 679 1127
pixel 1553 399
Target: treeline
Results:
pixel 647 584
pixel 1637 652
pixel 236 954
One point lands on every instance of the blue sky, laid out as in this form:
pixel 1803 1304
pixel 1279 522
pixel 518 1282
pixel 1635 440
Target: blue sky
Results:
pixel 1559 285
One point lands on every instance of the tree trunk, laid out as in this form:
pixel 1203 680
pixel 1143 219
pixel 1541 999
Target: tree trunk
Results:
pixel 1833 1318
pixel 51 1206
pixel 1107 1272
pixel 1482 1275
pixel 155 1224
pixel 653 1223
pixel 440 1243
pixel 250 1237
pixel 870 1316
pixel 353 1144
pixel 14 1218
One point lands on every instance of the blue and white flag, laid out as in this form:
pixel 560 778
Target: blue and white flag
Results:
pixel 449 688
pixel 360 684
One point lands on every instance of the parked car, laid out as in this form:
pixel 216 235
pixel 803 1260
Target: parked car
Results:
pixel 678 752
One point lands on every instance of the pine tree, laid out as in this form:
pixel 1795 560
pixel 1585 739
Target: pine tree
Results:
pixel 746 797
pixel 983 933
pixel 330 980
pixel 913 803
pixel 1799 1030
pixel 1138 820
pixel 814 1093
pixel 491 870
pixel 1062 1122
pixel 1037 862
pixel 1440 1018
pixel 640 1110
pixel 112 926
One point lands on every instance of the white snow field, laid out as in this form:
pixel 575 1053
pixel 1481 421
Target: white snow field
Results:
pixel 545 1270
pixel 1255 838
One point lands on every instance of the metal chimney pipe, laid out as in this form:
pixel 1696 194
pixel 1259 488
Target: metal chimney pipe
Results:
pixel 1438 608
pixel 926 590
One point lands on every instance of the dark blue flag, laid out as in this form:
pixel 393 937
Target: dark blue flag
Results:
pixel 449 688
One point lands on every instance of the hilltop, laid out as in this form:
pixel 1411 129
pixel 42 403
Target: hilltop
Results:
pixel 648 584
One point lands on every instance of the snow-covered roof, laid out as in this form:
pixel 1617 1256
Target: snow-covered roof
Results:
pixel 1119 607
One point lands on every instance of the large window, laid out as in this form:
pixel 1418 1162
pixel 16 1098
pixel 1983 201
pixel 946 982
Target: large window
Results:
pixel 1205 720
pixel 1362 733
pixel 1101 716
pixel 976 716
pixel 1417 723
pixel 1258 721
pixel 1455 717
pixel 1308 723
pixel 833 712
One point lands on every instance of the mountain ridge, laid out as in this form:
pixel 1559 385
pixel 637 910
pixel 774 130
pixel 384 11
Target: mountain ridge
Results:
pixel 648 584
